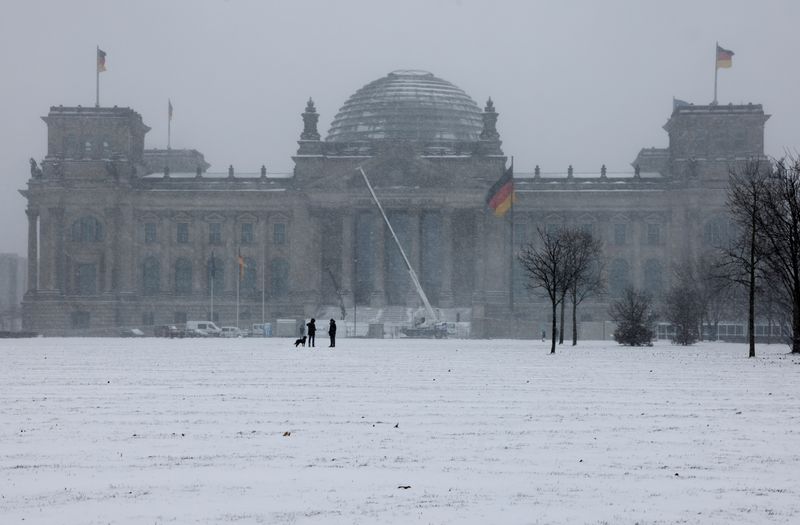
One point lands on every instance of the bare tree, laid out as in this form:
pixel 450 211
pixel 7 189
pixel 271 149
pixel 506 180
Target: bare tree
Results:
pixel 774 234
pixel 749 196
pixel 634 316
pixel 546 269
pixel 585 263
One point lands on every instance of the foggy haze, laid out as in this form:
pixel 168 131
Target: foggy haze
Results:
pixel 580 83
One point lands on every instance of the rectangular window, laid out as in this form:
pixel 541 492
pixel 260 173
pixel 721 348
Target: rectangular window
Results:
pixel 247 233
pixel 653 234
pixel 149 232
pixel 279 233
pixel 183 232
pixel 215 233
pixel 620 234
pixel 587 228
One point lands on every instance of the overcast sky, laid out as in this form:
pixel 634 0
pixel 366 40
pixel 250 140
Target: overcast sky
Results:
pixel 575 82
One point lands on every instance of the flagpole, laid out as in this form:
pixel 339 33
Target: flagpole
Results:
pixel 213 278
pixel 97 82
pixel 169 128
pixel 511 258
pixel 263 287
pixel 716 71
pixel 238 281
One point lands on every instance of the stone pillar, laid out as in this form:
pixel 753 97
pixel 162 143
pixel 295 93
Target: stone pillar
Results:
pixel 414 255
pixel 128 231
pixel 446 264
pixel 111 246
pixel 378 297
pixel 479 290
pixel 47 246
pixel 347 284
pixel 33 250
pixel 59 260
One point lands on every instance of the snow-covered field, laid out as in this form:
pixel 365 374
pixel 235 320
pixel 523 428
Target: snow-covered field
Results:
pixel 254 431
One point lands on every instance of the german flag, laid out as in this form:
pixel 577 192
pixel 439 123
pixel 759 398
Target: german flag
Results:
pixel 501 194
pixel 101 60
pixel 240 260
pixel 724 58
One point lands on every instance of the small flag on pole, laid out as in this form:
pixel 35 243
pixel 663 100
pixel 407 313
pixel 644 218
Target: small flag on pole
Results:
pixel 169 108
pixel 101 60
pixel 724 58
pixel 501 194
pixel 240 260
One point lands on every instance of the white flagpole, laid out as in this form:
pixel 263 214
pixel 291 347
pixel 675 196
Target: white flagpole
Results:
pixel 263 287
pixel 238 282
pixel 213 278
pixel 97 80
pixel 716 71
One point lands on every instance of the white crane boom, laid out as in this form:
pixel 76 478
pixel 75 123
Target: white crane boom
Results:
pixel 428 308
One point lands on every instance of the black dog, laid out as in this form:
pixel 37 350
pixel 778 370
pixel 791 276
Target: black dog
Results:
pixel 301 341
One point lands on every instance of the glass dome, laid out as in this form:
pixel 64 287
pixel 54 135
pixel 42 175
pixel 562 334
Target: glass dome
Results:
pixel 408 105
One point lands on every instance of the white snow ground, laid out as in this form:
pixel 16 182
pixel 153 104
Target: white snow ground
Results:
pixel 192 431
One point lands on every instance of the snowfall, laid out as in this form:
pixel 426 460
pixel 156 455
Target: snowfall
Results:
pixel 396 431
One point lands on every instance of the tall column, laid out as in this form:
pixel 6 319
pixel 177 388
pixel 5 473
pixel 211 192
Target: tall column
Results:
pixel 47 247
pixel 414 254
pixel 446 264
pixel 348 288
pixel 33 250
pixel 378 297
pixel 59 260
pixel 479 291
pixel 111 249
pixel 128 232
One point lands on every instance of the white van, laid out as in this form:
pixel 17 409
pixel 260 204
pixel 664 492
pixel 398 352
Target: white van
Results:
pixel 204 327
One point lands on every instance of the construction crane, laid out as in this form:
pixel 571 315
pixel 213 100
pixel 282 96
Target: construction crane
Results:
pixel 431 326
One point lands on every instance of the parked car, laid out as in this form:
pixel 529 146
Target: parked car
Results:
pixel 167 330
pixel 207 327
pixel 230 331
pixel 131 332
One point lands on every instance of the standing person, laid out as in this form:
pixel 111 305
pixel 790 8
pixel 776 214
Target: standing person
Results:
pixel 312 330
pixel 332 333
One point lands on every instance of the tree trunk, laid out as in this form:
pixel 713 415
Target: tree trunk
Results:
pixel 796 322
pixel 561 332
pixel 751 307
pixel 554 331
pixel 574 319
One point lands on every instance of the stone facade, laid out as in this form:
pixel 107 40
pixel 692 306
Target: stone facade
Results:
pixel 115 240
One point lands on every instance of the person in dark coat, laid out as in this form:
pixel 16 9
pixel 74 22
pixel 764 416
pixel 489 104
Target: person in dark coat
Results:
pixel 332 333
pixel 312 330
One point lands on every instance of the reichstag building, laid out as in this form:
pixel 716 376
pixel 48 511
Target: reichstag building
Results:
pixel 123 236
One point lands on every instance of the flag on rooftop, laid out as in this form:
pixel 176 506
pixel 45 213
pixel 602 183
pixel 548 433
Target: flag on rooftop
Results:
pixel 101 60
pixel 169 108
pixel 724 57
pixel 501 194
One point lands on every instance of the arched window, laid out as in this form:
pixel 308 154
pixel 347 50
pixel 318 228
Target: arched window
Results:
pixel 215 270
pixel 618 277
pixel 653 277
pixel 249 284
pixel 183 276
pixel 279 277
pixel 151 276
pixel 87 229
